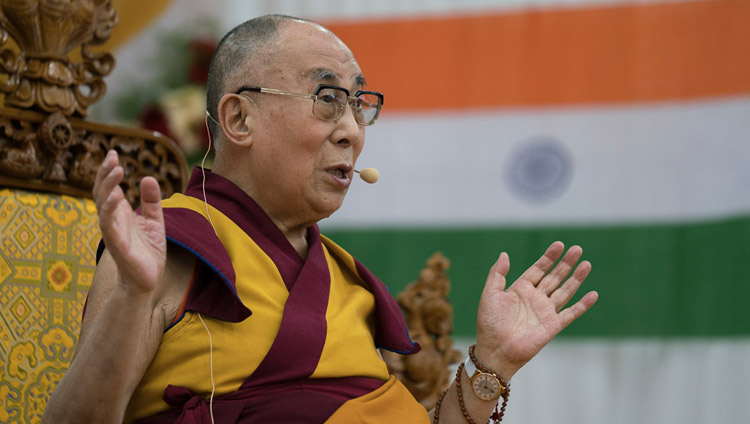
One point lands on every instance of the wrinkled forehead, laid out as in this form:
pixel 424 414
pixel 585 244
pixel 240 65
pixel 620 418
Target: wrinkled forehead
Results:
pixel 310 54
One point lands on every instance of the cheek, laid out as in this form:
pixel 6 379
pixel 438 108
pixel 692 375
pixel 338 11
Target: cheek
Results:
pixel 306 157
pixel 358 148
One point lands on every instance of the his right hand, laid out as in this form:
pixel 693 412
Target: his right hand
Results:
pixel 136 242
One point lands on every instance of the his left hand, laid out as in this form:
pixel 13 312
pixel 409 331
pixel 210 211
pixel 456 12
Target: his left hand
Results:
pixel 513 325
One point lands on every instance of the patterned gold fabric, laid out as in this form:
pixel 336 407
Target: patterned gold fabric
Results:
pixel 47 262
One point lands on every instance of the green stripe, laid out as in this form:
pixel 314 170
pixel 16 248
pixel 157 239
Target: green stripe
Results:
pixel 658 280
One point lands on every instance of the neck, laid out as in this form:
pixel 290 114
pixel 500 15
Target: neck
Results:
pixel 297 238
pixel 294 229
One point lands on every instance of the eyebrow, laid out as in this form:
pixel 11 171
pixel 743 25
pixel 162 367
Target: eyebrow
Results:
pixel 329 76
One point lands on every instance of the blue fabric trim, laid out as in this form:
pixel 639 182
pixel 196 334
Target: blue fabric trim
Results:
pixel 406 352
pixel 176 322
pixel 210 265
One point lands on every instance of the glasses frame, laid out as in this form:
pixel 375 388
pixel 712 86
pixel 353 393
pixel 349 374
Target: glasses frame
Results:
pixel 351 100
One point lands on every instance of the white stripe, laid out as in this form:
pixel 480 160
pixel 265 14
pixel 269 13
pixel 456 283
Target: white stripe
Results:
pixel 239 10
pixel 647 163
pixel 579 381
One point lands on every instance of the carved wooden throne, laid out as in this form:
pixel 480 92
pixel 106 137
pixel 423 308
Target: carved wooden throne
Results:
pixel 49 153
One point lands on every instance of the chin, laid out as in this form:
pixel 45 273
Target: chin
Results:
pixel 328 208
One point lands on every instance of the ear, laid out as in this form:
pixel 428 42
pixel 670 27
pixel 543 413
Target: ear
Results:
pixel 236 119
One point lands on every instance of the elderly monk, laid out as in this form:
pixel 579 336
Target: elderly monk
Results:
pixel 225 304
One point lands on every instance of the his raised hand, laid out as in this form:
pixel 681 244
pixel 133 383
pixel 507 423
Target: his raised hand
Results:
pixel 513 325
pixel 136 242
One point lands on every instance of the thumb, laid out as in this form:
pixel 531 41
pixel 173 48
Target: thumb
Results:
pixel 151 199
pixel 496 277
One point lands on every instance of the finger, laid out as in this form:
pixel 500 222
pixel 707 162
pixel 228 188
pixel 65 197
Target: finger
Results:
pixel 496 277
pixel 564 293
pixel 570 314
pixel 108 175
pixel 109 162
pixel 536 272
pixel 109 198
pixel 151 199
pixel 109 192
pixel 552 280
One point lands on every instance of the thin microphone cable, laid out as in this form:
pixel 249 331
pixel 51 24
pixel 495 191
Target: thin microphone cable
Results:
pixel 211 368
pixel 203 172
pixel 208 215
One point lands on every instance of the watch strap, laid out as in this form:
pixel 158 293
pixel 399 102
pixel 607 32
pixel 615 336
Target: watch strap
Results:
pixel 470 367
pixel 473 372
pixel 482 368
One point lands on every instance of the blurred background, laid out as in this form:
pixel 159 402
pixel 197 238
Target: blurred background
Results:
pixel 619 125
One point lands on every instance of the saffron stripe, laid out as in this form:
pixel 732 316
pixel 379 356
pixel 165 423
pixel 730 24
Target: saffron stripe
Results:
pixel 619 54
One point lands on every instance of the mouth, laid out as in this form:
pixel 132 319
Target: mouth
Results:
pixel 341 173
pixel 338 172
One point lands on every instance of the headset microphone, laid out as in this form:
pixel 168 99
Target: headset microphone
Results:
pixel 369 175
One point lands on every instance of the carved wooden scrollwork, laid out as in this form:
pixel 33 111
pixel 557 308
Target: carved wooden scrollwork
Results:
pixel 59 154
pixel 429 316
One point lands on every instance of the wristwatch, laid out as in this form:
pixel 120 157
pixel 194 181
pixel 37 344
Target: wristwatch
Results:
pixel 486 385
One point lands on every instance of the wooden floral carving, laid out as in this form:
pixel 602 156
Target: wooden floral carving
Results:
pixel 41 75
pixel 45 144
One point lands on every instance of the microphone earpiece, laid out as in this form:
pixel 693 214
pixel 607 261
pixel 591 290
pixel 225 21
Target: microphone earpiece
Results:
pixel 208 115
pixel 369 175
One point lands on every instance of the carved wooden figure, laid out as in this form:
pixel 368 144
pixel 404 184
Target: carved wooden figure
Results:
pixel 429 316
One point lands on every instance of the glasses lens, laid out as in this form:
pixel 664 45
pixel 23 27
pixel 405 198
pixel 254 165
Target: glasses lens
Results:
pixel 330 103
pixel 366 108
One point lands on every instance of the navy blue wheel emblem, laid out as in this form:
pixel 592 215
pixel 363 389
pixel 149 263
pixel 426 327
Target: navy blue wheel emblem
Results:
pixel 539 170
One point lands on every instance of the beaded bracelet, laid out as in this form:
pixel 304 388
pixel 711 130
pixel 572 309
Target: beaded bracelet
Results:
pixel 459 391
pixel 497 416
pixel 437 406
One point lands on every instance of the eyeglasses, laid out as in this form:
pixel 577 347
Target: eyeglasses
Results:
pixel 329 102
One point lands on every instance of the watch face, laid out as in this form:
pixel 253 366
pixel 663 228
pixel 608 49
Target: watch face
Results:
pixel 486 386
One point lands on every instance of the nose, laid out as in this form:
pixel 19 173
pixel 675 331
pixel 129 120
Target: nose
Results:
pixel 348 131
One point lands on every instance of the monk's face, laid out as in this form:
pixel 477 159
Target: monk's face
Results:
pixel 304 164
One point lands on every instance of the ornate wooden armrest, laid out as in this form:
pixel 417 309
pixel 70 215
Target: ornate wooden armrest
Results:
pixel 54 153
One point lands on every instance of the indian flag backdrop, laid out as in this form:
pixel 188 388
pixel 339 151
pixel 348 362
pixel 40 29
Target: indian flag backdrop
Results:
pixel 623 127
pixel 619 125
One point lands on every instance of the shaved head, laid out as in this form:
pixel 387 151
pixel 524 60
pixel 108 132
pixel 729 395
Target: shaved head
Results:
pixel 295 164
pixel 242 55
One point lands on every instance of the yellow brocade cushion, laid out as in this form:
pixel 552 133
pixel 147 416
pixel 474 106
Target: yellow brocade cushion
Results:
pixel 47 262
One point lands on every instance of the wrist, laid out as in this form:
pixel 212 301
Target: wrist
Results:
pixel 133 296
pixel 487 387
pixel 497 363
